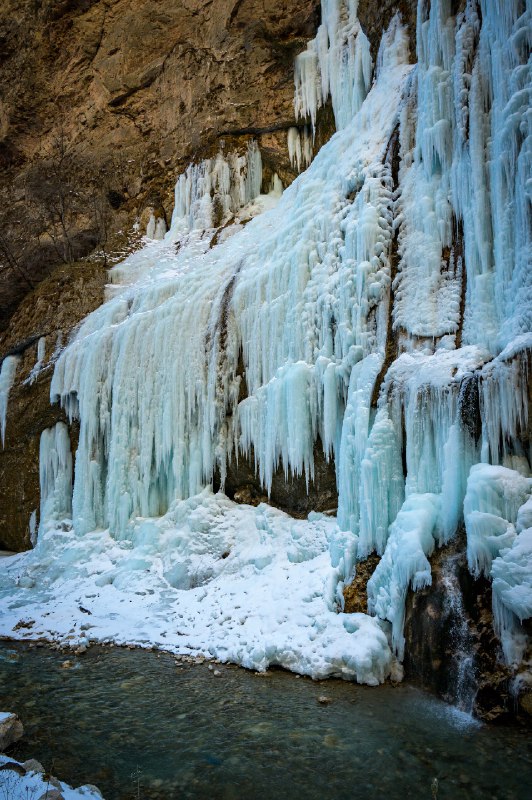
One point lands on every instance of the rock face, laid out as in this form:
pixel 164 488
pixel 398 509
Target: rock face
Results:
pixel 50 313
pixel 11 730
pixel 452 649
pixel 135 92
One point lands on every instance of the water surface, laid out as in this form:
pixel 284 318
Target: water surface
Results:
pixel 138 725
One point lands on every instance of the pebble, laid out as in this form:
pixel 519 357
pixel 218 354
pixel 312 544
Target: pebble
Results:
pixel 323 700
pixel 67 664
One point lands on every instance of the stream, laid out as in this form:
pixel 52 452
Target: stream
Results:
pixel 138 724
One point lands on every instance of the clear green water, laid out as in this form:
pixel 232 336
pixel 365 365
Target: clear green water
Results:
pixel 138 726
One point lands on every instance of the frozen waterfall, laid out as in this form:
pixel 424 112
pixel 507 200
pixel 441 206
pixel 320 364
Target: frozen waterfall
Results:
pixel 380 308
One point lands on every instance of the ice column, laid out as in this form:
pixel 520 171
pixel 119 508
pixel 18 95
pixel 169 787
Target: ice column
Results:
pixel 55 473
pixel 300 147
pixel 7 376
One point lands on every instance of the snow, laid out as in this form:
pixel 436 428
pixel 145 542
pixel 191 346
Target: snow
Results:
pixel 210 577
pixel 34 784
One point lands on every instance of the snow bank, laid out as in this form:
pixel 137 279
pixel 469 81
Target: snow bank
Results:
pixel 210 577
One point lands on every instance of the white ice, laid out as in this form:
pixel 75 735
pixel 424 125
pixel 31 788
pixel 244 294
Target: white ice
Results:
pixel 232 582
pixel 7 377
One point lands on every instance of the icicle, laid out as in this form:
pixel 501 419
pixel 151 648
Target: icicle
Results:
pixel 300 147
pixel 207 194
pixel 337 63
pixel 7 377
pixel 37 367
pixel 404 562
pixel 55 472
pixel 32 525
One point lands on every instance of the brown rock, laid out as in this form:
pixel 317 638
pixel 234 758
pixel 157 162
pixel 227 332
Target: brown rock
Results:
pixel 11 730
pixel 140 89
pixel 355 594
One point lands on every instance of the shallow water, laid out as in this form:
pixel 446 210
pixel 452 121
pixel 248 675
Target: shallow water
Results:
pixel 139 726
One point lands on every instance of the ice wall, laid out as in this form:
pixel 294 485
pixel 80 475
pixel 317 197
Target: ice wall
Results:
pixel 294 297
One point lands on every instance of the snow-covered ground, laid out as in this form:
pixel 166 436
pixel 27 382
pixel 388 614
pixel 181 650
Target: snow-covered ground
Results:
pixel 210 577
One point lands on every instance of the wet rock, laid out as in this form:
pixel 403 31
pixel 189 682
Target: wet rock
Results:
pixel 67 664
pixel 525 703
pixel 32 765
pixel 11 730
pixel 355 594
pixel 53 794
pixel 324 700
pixel 291 494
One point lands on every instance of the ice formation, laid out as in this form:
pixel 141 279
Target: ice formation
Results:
pixel 300 148
pixel 55 474
pixel 7 377
pixel 380 309
pixel 336 64
pixel 39 364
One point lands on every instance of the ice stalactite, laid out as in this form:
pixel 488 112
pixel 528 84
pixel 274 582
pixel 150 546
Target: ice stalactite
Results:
pixel 504 405
pixel 39 364
pixel 300 147
pixel 156 227
pixel 498 519
pixel 55 474
pixel 208 193
pixel 7 377
pixel 336 64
